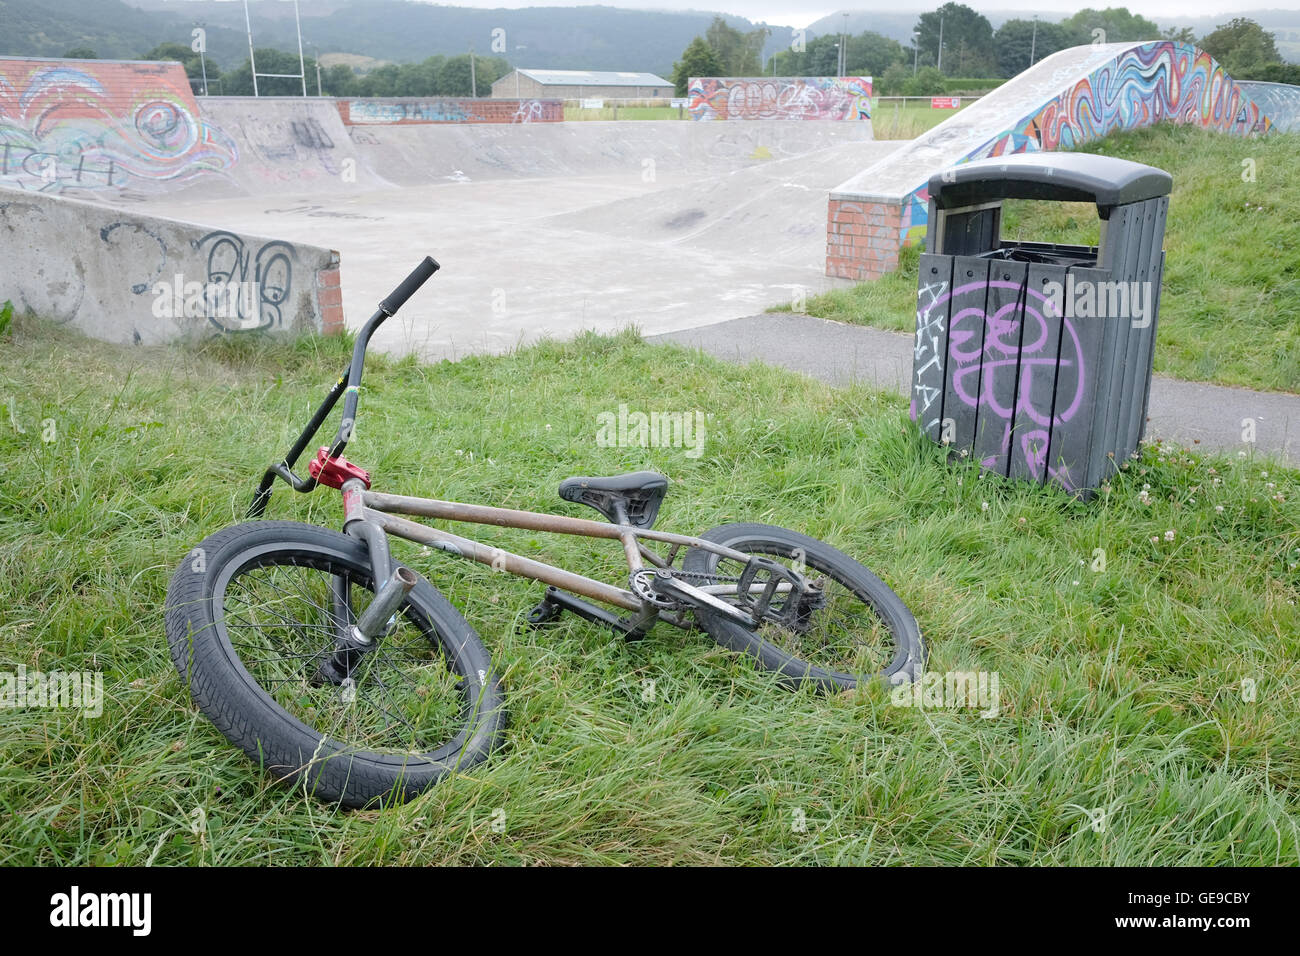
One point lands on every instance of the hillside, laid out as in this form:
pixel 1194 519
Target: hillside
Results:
pixel 598 38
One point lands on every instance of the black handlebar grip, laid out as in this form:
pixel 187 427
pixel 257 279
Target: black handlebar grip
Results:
pixel 410 285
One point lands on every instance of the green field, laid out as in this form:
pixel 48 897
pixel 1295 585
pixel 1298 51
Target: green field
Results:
pixel 1230 307
pixel 1146 643
pixel 891 119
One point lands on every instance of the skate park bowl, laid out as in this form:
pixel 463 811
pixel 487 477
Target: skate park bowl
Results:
pixel 542 227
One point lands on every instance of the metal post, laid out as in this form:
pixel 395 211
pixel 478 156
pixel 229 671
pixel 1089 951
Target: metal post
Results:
pixel 1033 42
pixel 302 64
pixel 916 50
pixel 844 51
pixel 252 60
pixel 939 64
pixel 473 82
pixel 203 62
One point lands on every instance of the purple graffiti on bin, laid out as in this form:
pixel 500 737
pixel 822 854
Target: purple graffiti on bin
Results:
pixel 976 368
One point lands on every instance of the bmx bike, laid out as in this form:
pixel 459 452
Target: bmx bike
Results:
pixel 339 669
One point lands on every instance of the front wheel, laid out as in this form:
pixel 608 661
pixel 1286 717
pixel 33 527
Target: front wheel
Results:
pixel 860 629
pixel 252 614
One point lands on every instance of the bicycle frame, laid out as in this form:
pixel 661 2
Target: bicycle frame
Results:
pixel 372 516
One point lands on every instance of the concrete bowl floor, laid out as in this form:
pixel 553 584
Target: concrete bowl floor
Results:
pixel 530 257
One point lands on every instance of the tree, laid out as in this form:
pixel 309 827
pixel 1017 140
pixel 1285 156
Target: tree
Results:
pixel 1179 34
pixel 927 82
pixel 698 59
pixel 739 54
pixel 239 81
pixel 81 53
pixel 1016 39
pixel 893 81
pixel 871 54
pixel 967 40
pixel 1112 25
pixel 1242 46
pixel 339 80
pixel 187 58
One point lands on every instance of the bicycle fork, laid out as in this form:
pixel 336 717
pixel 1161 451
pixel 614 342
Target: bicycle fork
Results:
pixel 355 637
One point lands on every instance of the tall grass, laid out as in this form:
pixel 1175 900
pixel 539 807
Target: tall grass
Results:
pixel 1125 734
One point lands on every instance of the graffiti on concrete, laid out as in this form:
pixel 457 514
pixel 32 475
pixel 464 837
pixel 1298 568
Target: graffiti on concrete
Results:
pixel 392 112
pixel 1162 81
pixel 795 98
pixel 260 282
pixel 102 125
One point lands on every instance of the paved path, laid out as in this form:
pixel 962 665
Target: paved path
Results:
pixel 1183 412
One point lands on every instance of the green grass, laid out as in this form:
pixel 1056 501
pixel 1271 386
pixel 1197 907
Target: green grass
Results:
pixel 894 119
pixel 573 113
pixel 1121 689
pixel 1230 307
pixel 890 120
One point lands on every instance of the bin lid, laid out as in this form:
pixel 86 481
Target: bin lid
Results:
pixel 1061 177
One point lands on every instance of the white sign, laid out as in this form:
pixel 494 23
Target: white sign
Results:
pixel 594 104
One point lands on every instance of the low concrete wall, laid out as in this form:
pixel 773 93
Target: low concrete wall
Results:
pixel 123 277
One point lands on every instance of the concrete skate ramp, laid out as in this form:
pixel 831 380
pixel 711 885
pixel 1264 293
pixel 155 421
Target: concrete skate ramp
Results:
pixel 1280 102
pixel 283 144
pixel 774 212
pixel 1070 98
pixel 418 155
pixel 575 231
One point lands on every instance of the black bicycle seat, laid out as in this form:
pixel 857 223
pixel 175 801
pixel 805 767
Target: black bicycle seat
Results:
pixel 638 492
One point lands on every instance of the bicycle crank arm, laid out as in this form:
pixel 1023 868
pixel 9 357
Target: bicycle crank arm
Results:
pixel 665 585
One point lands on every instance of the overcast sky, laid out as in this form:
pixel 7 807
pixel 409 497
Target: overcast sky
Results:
pixel 796 14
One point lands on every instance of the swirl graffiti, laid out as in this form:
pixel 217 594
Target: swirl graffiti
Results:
pixel 102 126
pixel 1155 82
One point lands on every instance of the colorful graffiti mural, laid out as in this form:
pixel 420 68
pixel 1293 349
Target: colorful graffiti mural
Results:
pixel 790 97
pixel 391 112
pixel 1151 83
pixel 102 125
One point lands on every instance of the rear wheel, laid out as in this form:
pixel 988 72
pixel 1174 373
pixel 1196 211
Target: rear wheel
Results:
pixel 859 630
pixel 253 613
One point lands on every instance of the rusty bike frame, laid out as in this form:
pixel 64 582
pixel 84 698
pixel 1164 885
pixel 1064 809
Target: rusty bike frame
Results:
pixel 371 516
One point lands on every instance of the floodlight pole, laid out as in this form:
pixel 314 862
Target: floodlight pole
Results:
pixel 1033 42
pixel 302 64
pixel 252 60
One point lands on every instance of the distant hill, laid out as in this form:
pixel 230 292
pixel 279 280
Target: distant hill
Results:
pixel 596 38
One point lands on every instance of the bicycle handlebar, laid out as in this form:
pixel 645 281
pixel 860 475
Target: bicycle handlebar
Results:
pixel 348 385
pixel 410 285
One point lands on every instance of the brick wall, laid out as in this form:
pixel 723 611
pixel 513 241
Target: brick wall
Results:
pixel 404 111
pixel 862 238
